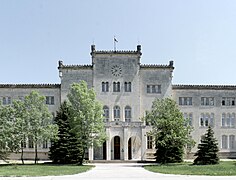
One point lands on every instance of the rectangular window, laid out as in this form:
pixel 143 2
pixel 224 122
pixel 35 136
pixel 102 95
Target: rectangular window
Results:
pixel 207 119
pixel 228 120
pixel 207 101
pixel 153 89
pixel 30 142
pixel 149 142
pixel 127 86
pixel 21 98
pixel 23 143
pixel 185 101
pixel 228 101
pixel 189 118
pixel 45 144
pixel 6 100
pixel 50 100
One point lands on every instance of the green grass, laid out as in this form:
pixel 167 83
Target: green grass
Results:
pixel 41 170
pixel 227 168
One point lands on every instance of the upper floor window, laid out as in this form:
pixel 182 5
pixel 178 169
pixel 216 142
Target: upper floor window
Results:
pixel 105 86
pixel 127 86
pixel 116 113
pixel 50 100
pixel 153 89
pixel 185 101
pixel 189 118
pixel 207 120
pixel 228 101
pixel 127 114
pixel 21 98
pixel 116 86
pixel 228 120
pixel 106 113
pixel 207 101
pixel 6 100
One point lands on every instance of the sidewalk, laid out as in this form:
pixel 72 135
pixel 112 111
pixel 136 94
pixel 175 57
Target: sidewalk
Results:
pixel 120 171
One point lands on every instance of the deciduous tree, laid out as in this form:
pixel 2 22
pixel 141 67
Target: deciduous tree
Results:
pixel 41 127
pixel 86 116
pixel 169 129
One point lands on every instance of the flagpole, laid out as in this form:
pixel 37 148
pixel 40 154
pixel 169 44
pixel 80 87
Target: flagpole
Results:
pixel 114 44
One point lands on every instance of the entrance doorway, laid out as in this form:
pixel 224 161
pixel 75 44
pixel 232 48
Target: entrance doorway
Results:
pixel 116 147
pixel 129 149
pixel 104 147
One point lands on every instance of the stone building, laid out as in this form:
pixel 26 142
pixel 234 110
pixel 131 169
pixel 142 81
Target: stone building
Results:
pixel 127 88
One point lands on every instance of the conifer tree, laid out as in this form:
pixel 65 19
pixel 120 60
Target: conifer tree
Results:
pixel 66 149
pixel 207 149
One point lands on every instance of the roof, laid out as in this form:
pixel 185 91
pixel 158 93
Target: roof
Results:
pixel 155 66
pixel 30 85
pixel 74 66
pixel 115 52
pixel 203 87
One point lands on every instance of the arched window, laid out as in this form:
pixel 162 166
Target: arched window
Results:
pixel 223 120
pixel 232 142
pixel 106 113
pixel 105 86
pixel 224 142
pixel 228 120
pixel 116 113
pixel 232 120
pixel 127 86
pixel 212 120
pixel 127 113
pixel 116 86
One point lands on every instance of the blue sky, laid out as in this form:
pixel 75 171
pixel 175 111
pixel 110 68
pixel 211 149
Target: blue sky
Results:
pixel 199 35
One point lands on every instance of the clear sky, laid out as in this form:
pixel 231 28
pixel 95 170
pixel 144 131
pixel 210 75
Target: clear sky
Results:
pixel 199 35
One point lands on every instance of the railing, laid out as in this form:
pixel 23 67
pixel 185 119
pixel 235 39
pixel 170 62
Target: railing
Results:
pixel 125 124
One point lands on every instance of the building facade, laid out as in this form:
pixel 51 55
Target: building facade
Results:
pixel 127 88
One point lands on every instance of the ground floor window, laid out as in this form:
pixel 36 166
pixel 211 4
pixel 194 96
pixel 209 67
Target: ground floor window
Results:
pixel 149 142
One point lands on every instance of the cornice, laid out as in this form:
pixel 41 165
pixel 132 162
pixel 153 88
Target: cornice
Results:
pixel 202 87
pixel 30 86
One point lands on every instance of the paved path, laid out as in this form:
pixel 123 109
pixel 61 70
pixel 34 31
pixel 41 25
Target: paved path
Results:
pixel 120 171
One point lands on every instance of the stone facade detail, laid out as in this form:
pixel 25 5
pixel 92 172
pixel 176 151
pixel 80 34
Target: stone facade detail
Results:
pixel 127 89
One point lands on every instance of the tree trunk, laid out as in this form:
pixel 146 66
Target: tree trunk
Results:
pixel 36 154
pixel 82 158
pixel 22 152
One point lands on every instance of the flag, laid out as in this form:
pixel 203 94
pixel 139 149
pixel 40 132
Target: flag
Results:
pixel 115 39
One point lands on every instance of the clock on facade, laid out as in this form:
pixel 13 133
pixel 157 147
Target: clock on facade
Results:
pixel 116 70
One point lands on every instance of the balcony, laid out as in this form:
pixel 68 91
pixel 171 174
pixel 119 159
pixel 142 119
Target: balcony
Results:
pixel 124 124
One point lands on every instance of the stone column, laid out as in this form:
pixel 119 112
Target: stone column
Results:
pixel 143 144
pixel 108 144
pixel 125 143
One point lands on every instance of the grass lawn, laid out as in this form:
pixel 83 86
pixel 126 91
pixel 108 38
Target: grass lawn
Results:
pixel 227 168
pixel 41 169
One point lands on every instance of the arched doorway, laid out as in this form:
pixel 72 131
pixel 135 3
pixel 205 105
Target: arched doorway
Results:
pixel 116 147
pixel 134 148
pixel 129 149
